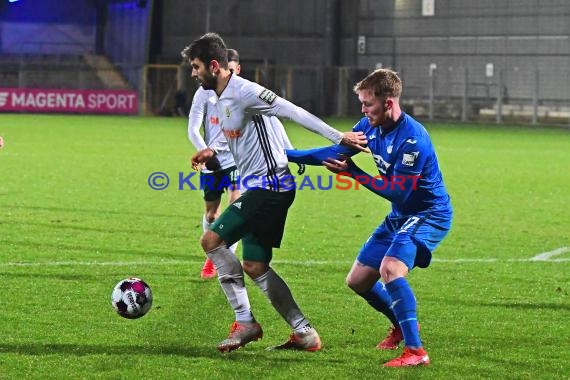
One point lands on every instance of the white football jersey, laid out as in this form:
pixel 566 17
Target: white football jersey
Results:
pixel 204 112
pixel 258 144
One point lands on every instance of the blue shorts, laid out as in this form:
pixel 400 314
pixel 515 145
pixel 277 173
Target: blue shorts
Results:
pixel 410 239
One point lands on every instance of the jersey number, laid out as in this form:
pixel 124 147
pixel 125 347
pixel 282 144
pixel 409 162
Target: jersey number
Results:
pixel 409 223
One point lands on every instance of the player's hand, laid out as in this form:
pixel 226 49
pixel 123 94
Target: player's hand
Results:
pixel 301 169
pixel 356 140
pixel 341 165
pixel 201 157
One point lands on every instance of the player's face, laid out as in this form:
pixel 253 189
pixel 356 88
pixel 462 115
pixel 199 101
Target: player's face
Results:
pixel 373 107
pixel 203 74
pixel 235 67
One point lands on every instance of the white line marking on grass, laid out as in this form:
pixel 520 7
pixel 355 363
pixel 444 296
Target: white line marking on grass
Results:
pixel 546 256
pixel 308 263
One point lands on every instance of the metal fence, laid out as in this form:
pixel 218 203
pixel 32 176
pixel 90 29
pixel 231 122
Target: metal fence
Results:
pixel 505 95
pixel 62 71
pixel 532 95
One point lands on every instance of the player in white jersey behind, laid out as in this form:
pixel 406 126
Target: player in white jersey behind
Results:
pixel 257 218
pixel 214 175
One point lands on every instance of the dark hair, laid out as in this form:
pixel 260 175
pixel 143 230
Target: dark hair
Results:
pixel 233 55
pixel 207 48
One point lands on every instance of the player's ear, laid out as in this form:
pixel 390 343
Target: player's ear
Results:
pixel 214 66
pixel 389 103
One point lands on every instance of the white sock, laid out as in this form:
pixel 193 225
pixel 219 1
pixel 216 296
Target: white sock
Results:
pixel 282 300
pixel 230 275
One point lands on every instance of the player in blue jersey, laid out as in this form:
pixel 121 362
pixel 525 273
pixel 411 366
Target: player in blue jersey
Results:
pixel 421 213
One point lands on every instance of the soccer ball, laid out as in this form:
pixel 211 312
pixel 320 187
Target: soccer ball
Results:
pixel 131 298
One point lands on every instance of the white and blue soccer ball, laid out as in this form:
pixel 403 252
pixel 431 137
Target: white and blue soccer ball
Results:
pixel 131 298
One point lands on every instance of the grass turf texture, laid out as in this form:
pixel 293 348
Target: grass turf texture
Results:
pixel 77 215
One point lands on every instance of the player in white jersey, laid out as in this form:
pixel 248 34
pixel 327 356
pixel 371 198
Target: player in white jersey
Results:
pixel 220 173
pixel 258 216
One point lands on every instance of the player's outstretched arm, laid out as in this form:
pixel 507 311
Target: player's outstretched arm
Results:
pixel 395 189
pixel 266 102
pixel 355 140
pixel 316 156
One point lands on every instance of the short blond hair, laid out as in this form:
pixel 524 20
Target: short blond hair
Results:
pixel 384 83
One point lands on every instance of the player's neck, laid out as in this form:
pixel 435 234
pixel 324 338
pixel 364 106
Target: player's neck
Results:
pixel 396 114
pixel 223 79
pixel 393 120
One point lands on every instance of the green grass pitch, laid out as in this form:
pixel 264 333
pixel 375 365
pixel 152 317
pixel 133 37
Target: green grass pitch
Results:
pixel 77 215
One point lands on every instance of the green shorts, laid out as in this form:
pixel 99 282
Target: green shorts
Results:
pixel 259 215
pixel 214 184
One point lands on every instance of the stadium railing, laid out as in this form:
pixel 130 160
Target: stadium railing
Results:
pixel 533 96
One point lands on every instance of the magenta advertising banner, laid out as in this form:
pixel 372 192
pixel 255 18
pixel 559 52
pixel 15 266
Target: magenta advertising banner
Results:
pixel 72 101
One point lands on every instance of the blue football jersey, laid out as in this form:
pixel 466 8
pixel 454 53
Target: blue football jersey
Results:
pixel 407 150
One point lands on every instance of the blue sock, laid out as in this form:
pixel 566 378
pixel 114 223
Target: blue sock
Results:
pixel 404 306
pixel 380 300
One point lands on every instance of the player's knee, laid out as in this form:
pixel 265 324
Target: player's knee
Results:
pixel 391 269
pixel 211 216
pixel 254 269
pixel 210 240
pixel 355 284
pixel 350 282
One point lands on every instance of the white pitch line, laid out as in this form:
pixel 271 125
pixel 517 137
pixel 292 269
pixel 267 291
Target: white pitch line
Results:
pixel 284 262
pixel 546 256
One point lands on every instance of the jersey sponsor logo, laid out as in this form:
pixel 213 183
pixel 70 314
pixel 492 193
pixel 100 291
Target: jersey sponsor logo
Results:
pixel 214 120
pixel 231 133
pixel 409 159
pixel 267 96
pixel 382 165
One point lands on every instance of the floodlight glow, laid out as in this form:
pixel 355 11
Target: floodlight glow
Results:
pixel 12 1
